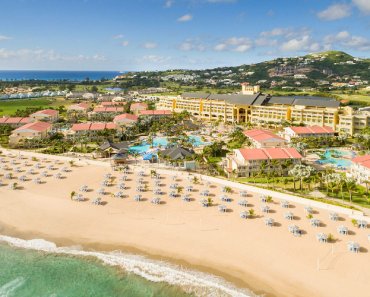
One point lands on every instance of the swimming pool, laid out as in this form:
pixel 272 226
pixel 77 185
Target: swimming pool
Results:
pixel 162 142
pixel 337 158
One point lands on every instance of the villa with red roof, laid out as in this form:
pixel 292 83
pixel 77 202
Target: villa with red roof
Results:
pixel 360 169
pixel 125 119
pixel 30 131
pixel 308 131
pixel 48 115
pixel 137 107
pixel 155 113
pixel 264 138
pixel 15 121
pixel 91 127
pixel 248 162
pixel 80 107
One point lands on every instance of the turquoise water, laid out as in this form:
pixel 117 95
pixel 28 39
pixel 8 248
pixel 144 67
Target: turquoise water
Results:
pixel 31 273
pixel 159 142
pixel 337 158
pixel 39 268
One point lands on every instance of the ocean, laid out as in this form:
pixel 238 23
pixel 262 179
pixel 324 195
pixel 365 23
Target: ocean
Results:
pixel 39 268
pixel 18 75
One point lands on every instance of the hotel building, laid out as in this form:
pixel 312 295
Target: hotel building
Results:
pixel 253 106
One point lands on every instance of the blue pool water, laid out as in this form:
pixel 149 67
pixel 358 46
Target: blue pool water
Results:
pixel 162 142
pixel 337 158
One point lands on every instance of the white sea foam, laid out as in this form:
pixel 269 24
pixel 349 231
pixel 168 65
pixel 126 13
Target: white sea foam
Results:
pixel 198 283
pixel 7 289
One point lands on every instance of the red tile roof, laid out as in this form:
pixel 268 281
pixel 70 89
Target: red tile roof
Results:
pixel 155 112
pixel 113 103
pixel 49 112
pixel 362 160
pixel 270 153
pixel 139 105
pixel 97 126
pixel 260 135
pixel 312 130
pixel 14 120
pixel 94 126
pixel 126 116
pixel 36 126
pixel 108 109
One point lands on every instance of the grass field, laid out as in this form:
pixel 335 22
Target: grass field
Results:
pixel 8 108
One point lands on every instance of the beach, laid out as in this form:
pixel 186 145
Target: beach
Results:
pixel 268 260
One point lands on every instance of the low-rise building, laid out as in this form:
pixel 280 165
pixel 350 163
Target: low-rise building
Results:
pixel 47 115
pixel 30 131
pixel 91 128
pixel 14 121
pixel 80 107
pixel 137 107
pixel 264 138
pixel 125 119
pixel 360 169
pixel 155 113
pixel 249 162
pixel 309 131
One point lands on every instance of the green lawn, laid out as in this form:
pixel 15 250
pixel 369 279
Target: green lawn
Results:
pixel 10 107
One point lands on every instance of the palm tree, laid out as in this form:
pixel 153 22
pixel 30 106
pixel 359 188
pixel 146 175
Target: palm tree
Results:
pixel 351 187
pixel 71 163
pixel 73 193
pixel 195 180
pixel 251 212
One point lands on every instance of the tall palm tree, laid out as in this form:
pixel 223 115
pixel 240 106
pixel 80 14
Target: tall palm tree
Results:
pixel 351 187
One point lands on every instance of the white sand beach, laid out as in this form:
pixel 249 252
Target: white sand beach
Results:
pixel 268 260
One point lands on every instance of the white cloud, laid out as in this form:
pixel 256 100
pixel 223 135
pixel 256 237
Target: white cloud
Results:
pixel 335 12
pixel 363 5
pixel 45 55
pixel 236 44
pixel 185 18
pixel 150 45
pixel 192 45
pixel 168 3
pixel 118 36
pixel 154 59
pixel 348 41
pixel 125 43
pixel 3 37
pixel 304 43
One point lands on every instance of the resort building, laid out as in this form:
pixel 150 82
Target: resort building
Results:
pixel 113 104
pixel 155 113
pixel 105 113
pixel 352 122
pixel 249 162
pixel 137 107
pixel 360 169
pixel 309 131
pixel 264 138
pixel 80 107
pixel 47 115
pixel 30 131
pixel 125 119
pixel 14 122
pixel 254 107
pixel 90 128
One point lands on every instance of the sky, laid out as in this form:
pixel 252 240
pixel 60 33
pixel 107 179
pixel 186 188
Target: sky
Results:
pixel 129 35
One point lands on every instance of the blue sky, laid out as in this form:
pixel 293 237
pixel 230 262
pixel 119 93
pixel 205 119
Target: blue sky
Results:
pixel 163 34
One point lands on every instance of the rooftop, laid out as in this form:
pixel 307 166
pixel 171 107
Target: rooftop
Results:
pixel 36 126
pixel 262 135
pixel 312 130
pixel 362 160
pixel 269 153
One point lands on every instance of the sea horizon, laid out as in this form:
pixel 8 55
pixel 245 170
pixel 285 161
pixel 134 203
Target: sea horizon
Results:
pixel 58 75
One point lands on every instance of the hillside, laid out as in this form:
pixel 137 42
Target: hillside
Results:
pixel 323 71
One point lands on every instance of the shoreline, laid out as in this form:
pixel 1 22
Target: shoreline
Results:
pixel 135 251
pixel 246 253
